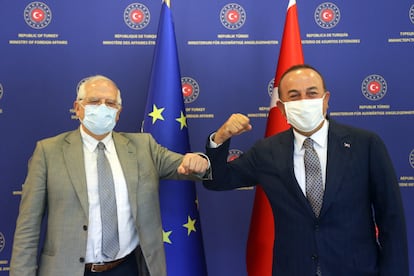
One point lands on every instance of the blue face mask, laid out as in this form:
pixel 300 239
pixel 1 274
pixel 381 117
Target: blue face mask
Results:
pixel 99 119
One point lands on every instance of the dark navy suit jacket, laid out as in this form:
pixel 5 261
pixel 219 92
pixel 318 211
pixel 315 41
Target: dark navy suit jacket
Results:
pixel 361 191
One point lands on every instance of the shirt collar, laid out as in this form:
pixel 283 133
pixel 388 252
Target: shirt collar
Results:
pixel 320 137
pixel 91 143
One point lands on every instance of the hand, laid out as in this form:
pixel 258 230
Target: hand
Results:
pixel 235 125
pixel 193 163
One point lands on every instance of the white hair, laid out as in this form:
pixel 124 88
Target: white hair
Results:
pixel 81 93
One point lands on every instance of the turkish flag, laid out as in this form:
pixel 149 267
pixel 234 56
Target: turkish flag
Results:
pixel 262 228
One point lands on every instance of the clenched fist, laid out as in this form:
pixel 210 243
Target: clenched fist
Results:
pixel 193 163
pixel 235 125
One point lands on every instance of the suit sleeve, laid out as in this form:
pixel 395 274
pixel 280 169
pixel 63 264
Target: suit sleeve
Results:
pixel 167 162
pixel 388 211
pixel 31 211
pixel 225 175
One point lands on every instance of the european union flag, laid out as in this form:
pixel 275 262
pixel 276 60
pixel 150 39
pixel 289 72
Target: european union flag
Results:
pixel 165 119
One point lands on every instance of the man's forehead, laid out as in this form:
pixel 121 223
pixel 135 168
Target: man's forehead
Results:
pixel 100 85
pixel 301 76
pixel 303 72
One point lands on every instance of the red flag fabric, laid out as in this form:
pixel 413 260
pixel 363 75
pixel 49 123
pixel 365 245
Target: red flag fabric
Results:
pixel 260 242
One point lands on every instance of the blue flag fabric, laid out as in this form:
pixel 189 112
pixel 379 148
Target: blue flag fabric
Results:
pixel 165 119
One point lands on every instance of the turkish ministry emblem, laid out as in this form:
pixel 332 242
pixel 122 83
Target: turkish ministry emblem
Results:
pixel 270 87
pixel 37 15
pixel 232 16
pixel 327 15
pixel 411 159
pixel 190 89
pixel 374 87
pixel 137 16
pixel 2 241
pixel 233 154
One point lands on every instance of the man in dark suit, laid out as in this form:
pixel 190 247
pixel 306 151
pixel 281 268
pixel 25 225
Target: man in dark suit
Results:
pixel 64 184
pixel 333 232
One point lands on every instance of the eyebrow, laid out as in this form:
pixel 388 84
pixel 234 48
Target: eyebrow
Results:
pixel 293 91
pixel 307 89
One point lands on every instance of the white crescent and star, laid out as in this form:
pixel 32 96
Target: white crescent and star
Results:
pixel 373 87
pixel 233 16
pixel 37 15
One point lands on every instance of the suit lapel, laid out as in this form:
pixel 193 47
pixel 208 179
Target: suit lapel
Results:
pixel 74 159
pixel 127 155
pixel 283 159
pixel 338 162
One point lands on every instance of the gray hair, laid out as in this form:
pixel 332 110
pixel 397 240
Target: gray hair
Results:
pixel 82 92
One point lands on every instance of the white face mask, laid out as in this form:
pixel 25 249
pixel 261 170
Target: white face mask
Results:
pixel 305 115
pixel 99 119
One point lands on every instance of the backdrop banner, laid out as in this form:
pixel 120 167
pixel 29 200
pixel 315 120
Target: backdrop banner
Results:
pixel 228 52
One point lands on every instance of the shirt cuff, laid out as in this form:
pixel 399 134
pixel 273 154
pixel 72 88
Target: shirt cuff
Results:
pixel 212 143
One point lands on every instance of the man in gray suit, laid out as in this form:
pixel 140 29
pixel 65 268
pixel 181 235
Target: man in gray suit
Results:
pixel 62 186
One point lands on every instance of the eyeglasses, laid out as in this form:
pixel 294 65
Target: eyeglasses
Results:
pixel 98 101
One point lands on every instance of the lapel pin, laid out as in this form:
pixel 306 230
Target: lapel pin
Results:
pixel 347 145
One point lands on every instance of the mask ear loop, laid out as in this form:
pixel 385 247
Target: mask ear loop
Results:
pixel 323 99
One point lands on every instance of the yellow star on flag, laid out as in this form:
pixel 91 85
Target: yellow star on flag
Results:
pixel 182 120
pixel 190 225
pixel 166 236
pixel 156 113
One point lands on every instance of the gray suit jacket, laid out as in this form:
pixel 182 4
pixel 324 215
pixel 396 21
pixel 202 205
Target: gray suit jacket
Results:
pixel 56 186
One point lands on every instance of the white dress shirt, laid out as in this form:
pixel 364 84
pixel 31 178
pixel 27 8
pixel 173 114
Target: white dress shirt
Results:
pixel 320 144
pixel 128 237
